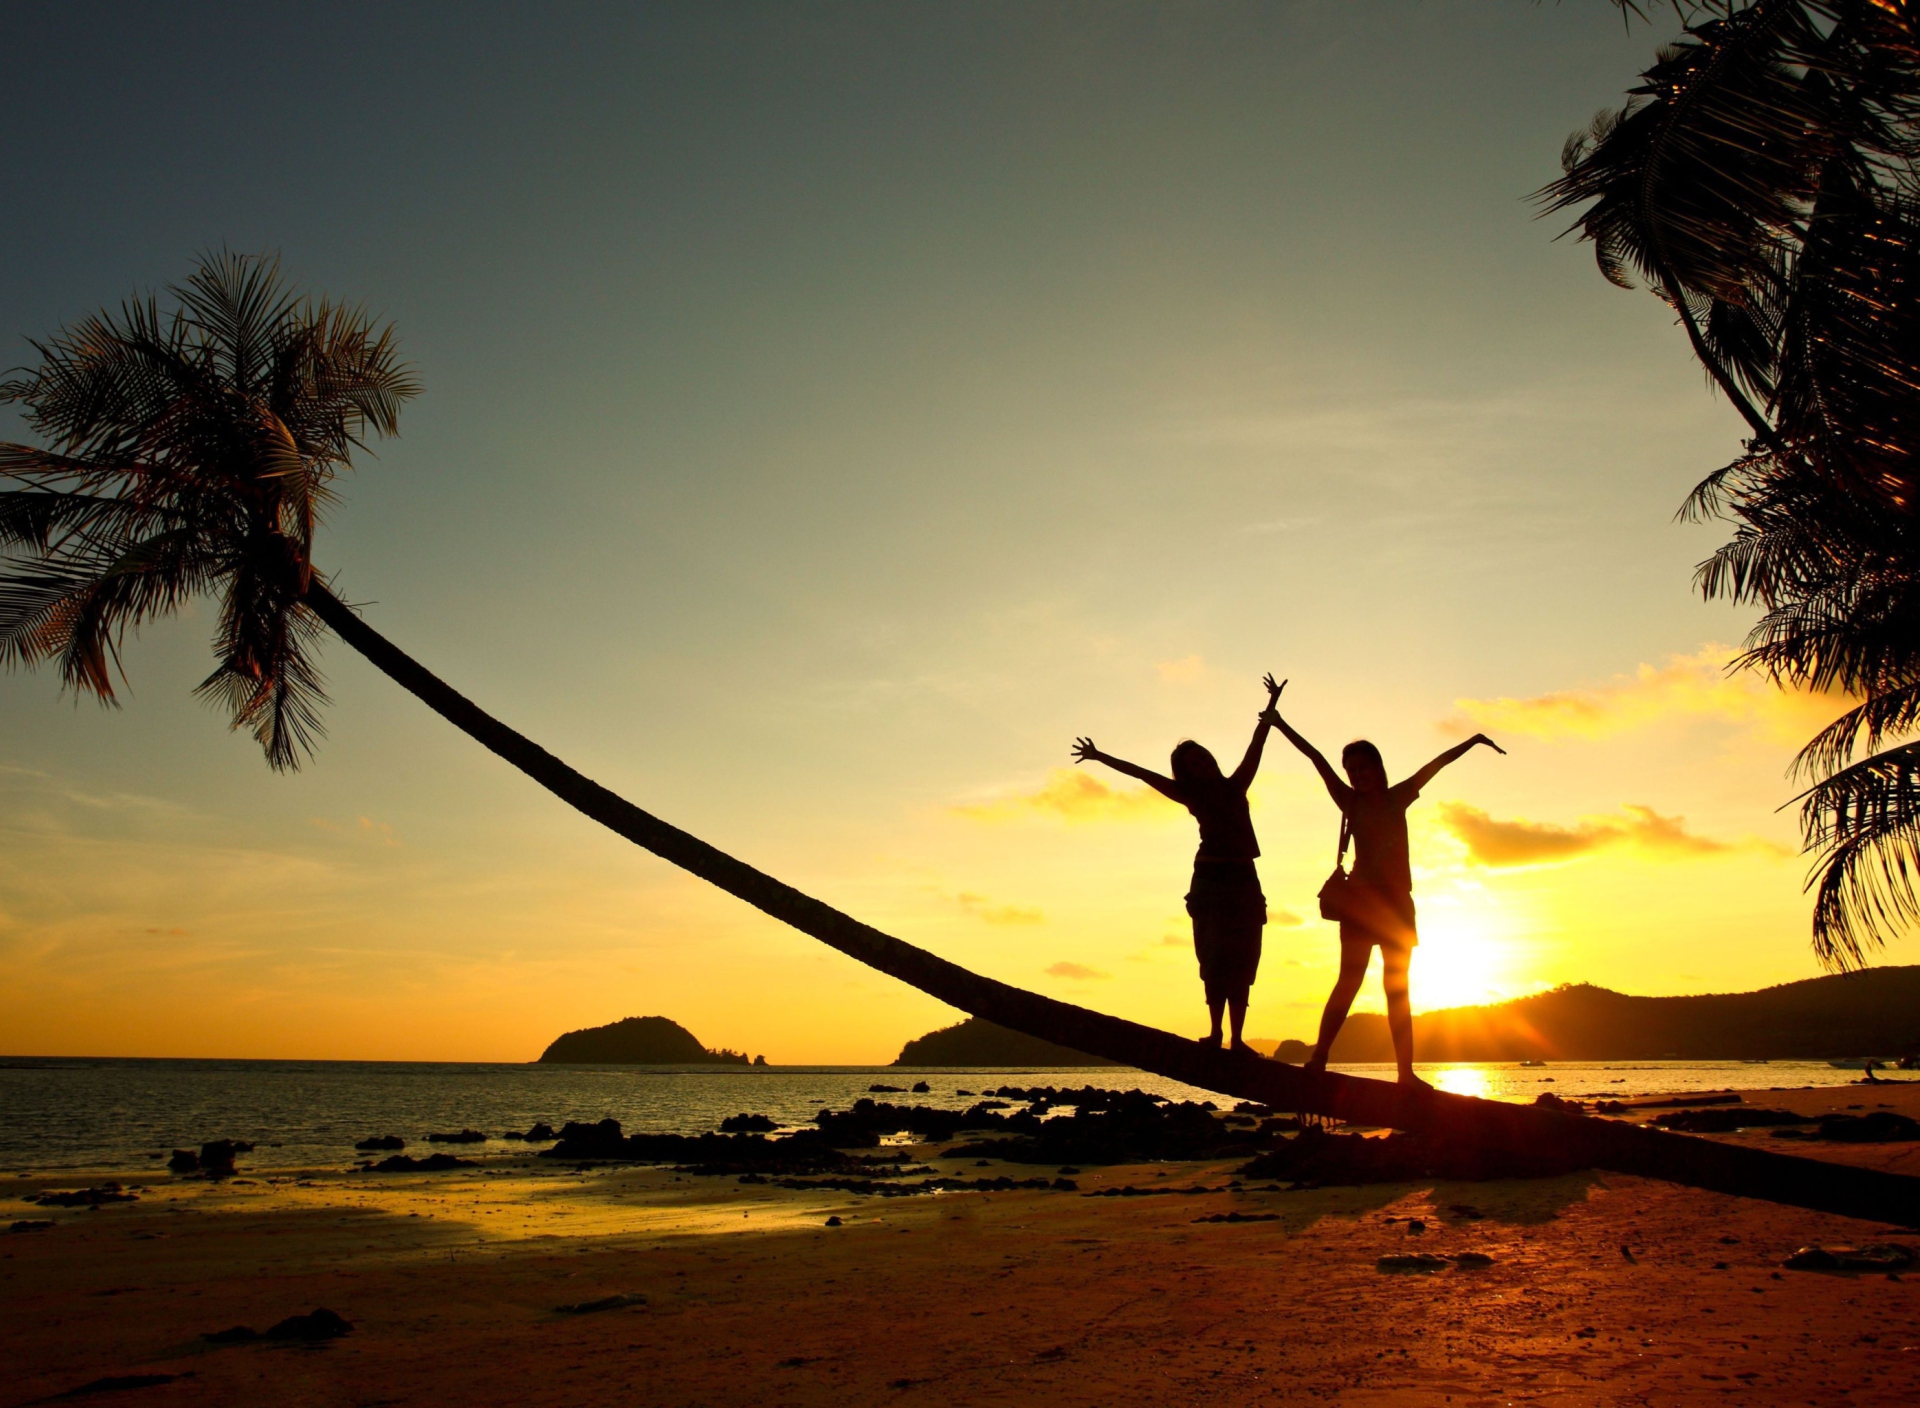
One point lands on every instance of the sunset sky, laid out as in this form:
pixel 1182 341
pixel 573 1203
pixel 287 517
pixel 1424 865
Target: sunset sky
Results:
pixel 831 410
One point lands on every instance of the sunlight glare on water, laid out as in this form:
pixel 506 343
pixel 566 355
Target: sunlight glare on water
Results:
pixel 1462 1080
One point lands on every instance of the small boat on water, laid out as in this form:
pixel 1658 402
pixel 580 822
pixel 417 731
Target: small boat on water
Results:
pixel 1533 1065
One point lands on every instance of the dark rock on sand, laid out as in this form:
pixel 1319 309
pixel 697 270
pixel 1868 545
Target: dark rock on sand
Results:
pixel 183 1161
pixel 588 1307
pixel 1418 1261
pixel 747 1124
pixel 920 1087
pixel 216 1156
pixel 1722 1120
pixel 1880 1127
pixel 233 1334
pixel 868 1187
pixel 317 1325
pixel 406 1163
pixel 86 1197
pixel 465 1136
pixel 30 1224
pixel 539 1134
pixel 886 1090
pixel 807 1151
pixel 1131 1128
pixel 1887 1256
pixel 379 1142
pixel 1240 1217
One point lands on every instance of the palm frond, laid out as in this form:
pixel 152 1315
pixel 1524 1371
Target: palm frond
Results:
pixel 189 449
pixel 1863 824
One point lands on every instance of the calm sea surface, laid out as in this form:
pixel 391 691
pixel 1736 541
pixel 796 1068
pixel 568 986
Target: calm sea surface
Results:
pixel 117 1114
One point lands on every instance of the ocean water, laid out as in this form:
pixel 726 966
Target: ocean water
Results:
pixel 124 1115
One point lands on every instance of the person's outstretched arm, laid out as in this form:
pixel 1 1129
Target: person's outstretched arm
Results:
pixel 1249 765
pixel 1453 755
pixel 1336 785
pixel 1085 752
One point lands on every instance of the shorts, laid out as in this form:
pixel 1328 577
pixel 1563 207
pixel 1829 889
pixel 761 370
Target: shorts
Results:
pixel 1228 910
pixel 1387 918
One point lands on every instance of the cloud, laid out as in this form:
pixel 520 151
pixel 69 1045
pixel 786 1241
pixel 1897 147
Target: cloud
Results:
pixel 1184 671
pixel 1075 970
pixel 983 909
pixel 1284 919
pixel 1071 795
pixel 1501 844
pixel 1687 686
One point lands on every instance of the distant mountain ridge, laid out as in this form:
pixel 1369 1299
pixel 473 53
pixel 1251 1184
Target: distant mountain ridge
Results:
pixel 639 1041
pixel 1875 1012
pixel 977 1042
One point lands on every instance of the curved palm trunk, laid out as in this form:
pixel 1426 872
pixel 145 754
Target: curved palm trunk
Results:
pixel 1762 427
pixel 1702 1163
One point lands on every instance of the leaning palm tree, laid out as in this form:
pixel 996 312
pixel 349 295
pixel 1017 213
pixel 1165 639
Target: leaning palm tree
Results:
pixel 1762 181
pixel 193 451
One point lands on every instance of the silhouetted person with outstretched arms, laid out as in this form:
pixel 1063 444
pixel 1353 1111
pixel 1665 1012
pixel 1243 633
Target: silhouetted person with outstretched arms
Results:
pixel 1377 900
pixel 1225 900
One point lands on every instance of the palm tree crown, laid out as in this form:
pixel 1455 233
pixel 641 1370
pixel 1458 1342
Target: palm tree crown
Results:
pixel 192 452
pixel 1764 180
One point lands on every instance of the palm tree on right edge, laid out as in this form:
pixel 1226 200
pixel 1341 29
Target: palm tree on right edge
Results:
pixel 1764 181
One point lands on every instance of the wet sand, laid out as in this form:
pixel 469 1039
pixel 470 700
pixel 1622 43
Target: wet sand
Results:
pixel 1602 1289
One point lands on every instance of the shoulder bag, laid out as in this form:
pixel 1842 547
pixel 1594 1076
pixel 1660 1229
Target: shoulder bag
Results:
pixel 1336 896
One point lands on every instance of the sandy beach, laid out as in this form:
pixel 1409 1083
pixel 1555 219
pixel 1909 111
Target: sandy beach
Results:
pixel 1600 1289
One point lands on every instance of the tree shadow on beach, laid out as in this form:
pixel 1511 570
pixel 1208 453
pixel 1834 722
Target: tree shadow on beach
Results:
pixel 1520 1202
pixel 1523 1202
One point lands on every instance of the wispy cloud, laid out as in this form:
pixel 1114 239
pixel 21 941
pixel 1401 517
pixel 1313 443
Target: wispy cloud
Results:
pixel 380 833
pixel 1071 796
pixel 983 909
pixel 1284 919
pixel 1697 685
pixel 1186 670
pixel 1077 971
pixel 1501 844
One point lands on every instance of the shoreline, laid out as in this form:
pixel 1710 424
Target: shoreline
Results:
pixel 1599 1288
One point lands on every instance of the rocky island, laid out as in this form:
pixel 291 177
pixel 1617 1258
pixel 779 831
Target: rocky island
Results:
pixel 977 1042
pixel 640 1041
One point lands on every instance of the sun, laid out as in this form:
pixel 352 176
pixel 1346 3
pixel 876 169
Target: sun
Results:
pixel 1466 954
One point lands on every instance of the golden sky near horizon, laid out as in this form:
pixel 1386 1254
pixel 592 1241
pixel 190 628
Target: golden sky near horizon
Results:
pixel 828 417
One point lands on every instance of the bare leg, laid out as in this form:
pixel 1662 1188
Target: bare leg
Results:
pixel 1215 1006
pixel 1237 1006
pixel 1353 972
pixel 1393 978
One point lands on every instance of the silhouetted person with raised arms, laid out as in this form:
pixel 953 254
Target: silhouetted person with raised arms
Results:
pixel 1377 899
pixel 1225 900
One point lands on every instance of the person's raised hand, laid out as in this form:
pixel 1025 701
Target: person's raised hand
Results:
pixel 1482 738
pixel 1084 751
pixel 1273 690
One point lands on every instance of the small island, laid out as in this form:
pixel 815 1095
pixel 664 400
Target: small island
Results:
pixel 978 1042
pixel 639 1041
